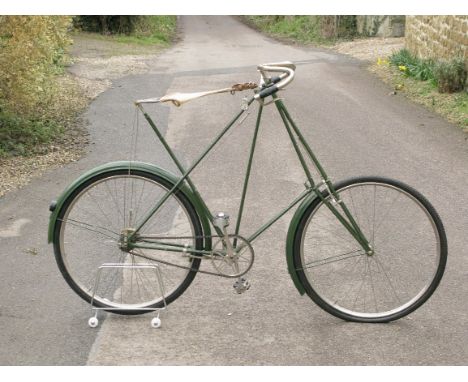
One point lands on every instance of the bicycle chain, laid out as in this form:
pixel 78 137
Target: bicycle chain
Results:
pixel 189 268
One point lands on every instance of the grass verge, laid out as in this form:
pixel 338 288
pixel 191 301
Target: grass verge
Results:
pixel 452 106
pixel 20 135
pixel 150 30
pixel 26 135
pixel 301 29
pixel 30 146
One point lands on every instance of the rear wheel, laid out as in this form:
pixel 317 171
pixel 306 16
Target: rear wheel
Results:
pixel 88 234
pixel 409 244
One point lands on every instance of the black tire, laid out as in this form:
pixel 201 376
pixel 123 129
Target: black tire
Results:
pixel 77 257
pixel 332 266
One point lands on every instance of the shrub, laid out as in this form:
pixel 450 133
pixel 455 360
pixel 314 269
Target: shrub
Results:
pixel 20 135
pixel 451 75
pixel 320 29
pixel 301 28
pixel 338 26
pixel 32 55
pixel 161 27
pixel 412 66
pixel 107 24
pixel 33 52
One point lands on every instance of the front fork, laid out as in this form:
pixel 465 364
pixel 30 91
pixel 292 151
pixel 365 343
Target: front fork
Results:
pixel 332 200
pixel 297 138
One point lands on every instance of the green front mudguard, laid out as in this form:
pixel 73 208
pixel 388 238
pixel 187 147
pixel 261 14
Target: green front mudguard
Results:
pixel 140 166
pixel 290 240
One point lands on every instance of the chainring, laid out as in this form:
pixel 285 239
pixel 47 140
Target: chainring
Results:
pixel 233 264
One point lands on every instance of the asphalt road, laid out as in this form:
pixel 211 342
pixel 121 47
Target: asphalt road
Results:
pixel 354 127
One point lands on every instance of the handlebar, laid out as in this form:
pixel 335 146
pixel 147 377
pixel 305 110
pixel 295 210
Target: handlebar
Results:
pixel 286 69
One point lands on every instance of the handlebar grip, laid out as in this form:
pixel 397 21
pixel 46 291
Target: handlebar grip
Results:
pixel 268 91
pixel 275 80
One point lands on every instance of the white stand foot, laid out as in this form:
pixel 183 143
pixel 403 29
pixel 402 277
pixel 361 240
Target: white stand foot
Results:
pixel 93 322
pixel 156 322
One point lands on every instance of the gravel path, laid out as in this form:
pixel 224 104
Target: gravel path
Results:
pixel 370 49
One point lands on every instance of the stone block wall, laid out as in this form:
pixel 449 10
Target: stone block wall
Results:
pixel 380 26
pixel 437 37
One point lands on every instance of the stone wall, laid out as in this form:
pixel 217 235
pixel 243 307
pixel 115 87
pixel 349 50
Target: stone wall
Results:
pixel 380 26
pixel 438 37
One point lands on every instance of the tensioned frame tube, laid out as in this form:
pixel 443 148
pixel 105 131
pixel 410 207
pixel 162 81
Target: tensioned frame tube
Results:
pixel 168 247
pixel 185 174
pixel 247 174
pixel 278 216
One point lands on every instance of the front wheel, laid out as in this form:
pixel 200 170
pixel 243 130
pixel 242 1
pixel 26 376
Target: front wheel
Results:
pixel 408 260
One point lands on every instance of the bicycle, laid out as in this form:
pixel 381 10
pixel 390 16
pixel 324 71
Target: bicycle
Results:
pixel 366 249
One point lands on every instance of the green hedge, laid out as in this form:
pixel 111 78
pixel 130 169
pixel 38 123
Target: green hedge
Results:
pixel 33 53
pixel 155 28
pixel 319 29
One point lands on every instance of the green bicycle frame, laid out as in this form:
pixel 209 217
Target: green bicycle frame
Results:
pixel 328 195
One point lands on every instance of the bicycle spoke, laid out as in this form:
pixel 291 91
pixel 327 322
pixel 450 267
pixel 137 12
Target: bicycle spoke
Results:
pixel 389 209
pixel 333 259
pixel 364 273
pixel 358 261
pixel 89 195
pixel 139 202
pixel 90 227
pixel 373 217
pixel 117 204
pixel 372 284
pixel 365 206
pixel 335 235
pixel 387 277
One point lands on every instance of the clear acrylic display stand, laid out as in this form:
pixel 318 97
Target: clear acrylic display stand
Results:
pixel 156 321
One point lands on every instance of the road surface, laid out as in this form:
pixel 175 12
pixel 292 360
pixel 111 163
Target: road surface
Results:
pixel 354 127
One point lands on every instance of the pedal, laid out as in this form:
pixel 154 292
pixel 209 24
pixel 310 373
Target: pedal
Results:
pixel 241 285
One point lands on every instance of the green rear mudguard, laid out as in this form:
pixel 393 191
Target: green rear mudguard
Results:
pixel 140 166
pixel 290 240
